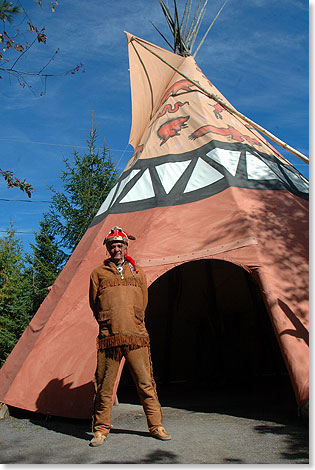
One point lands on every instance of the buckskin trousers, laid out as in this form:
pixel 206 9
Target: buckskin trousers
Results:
pixel 140 366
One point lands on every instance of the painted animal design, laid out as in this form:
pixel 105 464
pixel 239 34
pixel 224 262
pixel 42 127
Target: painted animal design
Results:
pixel 172 128
pixel 217 109
pixel 169 109
pixel 183 86
pixel 228 132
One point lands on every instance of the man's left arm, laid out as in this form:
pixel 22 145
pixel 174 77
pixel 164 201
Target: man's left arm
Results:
pixel 144 287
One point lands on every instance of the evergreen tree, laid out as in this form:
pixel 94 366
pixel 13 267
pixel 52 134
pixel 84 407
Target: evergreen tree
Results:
pixel 46 263
pixel 15 290
pixel 86 182
pixel 25 279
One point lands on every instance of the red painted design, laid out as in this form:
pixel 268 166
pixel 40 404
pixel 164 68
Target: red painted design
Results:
pixel 229 132
pixel 172 128
pixel 169 109
pixel 181 85
pixel 217 109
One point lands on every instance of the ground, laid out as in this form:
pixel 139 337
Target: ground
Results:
pixel 222 426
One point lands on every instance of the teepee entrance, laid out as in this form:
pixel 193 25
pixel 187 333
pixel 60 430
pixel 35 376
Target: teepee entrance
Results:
pixel 207 321
pixel 210 330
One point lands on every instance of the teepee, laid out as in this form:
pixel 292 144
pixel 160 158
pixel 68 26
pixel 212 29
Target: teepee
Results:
pixel 203 184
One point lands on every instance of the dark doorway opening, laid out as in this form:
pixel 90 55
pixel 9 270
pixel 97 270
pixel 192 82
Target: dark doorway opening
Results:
pixel 212 342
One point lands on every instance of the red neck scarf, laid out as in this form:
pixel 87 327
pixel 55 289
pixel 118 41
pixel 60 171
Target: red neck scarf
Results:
pixel 127 258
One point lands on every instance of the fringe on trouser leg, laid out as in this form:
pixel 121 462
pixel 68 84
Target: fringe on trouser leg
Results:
pixel 140 366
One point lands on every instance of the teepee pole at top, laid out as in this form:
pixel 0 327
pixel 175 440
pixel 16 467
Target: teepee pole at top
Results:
pixel 226 106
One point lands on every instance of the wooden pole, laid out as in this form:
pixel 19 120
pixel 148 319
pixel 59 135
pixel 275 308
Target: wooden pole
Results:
pixel 207 32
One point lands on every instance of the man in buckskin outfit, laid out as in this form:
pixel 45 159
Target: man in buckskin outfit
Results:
pixel 118 299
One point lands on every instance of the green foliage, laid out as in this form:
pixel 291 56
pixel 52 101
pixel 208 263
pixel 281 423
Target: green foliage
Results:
pixel 15 289
pixel 25 279
pixel 8 11
pixel 46 263
pixel 86 182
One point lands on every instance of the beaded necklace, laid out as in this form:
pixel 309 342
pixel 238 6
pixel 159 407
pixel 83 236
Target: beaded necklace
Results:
pixel 121 267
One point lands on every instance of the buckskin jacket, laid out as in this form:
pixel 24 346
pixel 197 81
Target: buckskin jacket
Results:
pixel 118 301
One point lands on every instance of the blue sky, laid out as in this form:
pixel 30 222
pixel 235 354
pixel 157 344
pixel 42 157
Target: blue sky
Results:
pixel 256 55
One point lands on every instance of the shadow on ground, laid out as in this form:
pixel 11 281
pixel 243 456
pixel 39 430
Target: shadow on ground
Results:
pixel 155 457
pixel 80 428
pixel 270 402
pixel 263 398
pixel 297 439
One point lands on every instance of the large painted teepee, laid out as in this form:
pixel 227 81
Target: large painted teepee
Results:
pixel 203 185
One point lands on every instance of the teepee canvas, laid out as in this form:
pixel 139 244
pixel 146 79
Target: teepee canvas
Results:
pixel 202 184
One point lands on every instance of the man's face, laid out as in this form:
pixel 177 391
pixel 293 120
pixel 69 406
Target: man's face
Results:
pixel 117 251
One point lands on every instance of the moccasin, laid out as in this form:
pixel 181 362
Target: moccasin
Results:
pixel 98 439
pixel 160 433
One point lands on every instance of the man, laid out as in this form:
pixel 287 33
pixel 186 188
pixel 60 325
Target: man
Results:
pixel 118 299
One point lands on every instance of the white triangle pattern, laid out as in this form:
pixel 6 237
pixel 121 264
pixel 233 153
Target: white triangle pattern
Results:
pixel 202 175
pixel 257 169
pixel 143 189
pixel 124 182
pixel 107 201
pixel 301 184
pixel 169 173
pixel 228 158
